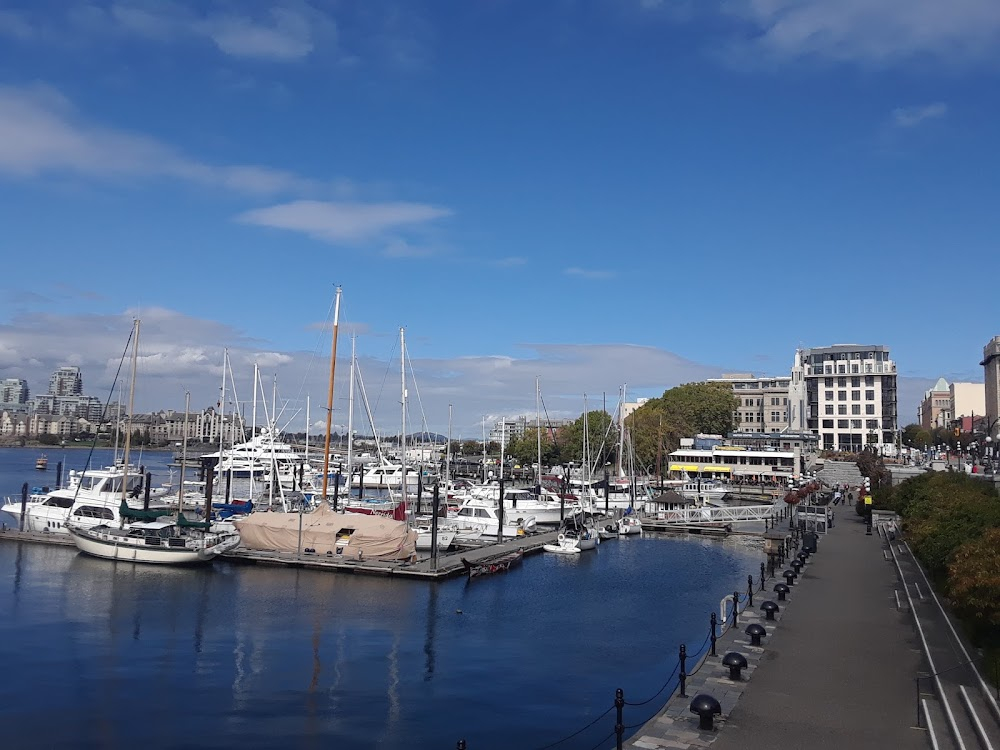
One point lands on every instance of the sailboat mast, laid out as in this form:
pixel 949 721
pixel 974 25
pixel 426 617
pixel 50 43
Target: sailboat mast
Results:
pixel 621 431
pixel 184 454
pixel 447 456
pixel 131 412
pixel 329 393
pixel 538 436
pixel 350 417
pixel 402 434
pixel 222 421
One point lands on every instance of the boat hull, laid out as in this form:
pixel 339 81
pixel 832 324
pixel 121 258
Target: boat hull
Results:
pixel 110 547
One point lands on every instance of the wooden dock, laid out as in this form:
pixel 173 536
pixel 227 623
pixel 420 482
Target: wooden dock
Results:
pixel 449 564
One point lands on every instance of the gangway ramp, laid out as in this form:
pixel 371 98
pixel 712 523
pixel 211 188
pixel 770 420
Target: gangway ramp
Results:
pixel 714 514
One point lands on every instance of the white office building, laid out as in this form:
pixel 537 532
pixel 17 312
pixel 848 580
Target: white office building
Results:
pixel 845 394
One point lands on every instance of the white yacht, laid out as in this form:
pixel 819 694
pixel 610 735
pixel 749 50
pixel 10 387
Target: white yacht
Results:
pixel 388 476
pixel 264 454
pixel 482 515
pixel 12 504
pixel 521 503
pixel 90 498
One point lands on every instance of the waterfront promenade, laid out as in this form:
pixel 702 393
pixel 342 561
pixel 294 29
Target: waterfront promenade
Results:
pixel 837 670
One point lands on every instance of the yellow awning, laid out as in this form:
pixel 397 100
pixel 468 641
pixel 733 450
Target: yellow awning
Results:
pixel 723 469
pixel 683 467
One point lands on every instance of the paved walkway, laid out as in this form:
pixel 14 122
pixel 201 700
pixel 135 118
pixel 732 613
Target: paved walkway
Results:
pixel 836 671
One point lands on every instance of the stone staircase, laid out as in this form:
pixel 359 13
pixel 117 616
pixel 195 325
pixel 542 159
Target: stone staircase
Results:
pixel 840 472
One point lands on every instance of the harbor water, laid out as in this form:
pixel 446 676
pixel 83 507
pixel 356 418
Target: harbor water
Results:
pixel 98 654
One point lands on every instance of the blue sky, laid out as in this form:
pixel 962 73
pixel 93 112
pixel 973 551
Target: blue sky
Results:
pixel 593 193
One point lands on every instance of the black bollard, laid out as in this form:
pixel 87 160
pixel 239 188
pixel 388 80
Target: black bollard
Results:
pixel 148 490
pixel 736 663
pixel 24 505
pixel 683 671
pixel 769 609
pixel 336 488
pixel 712 636
pixel 619 724
pixel 706 707
pixel 782 590
pixel 756 632
pixel 736 608
pixel 763 577
pixel 749 591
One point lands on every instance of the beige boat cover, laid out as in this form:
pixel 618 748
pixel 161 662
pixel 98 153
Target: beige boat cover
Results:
pixel 356 535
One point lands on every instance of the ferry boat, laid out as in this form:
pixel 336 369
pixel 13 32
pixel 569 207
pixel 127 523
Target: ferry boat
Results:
pixel 42 462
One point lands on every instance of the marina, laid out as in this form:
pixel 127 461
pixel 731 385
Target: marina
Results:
pixel 350 660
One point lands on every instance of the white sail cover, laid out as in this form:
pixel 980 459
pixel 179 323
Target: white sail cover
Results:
pixel 356 535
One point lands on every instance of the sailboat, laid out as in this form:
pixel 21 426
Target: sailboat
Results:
pixel 152 536
pixel 323 531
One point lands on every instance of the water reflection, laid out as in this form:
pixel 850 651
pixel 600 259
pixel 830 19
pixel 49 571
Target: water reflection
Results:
pixel 251 653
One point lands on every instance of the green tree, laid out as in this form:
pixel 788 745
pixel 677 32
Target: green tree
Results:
pixel 471 448
pixel 974 583
pixel 602 438
pixel 657 426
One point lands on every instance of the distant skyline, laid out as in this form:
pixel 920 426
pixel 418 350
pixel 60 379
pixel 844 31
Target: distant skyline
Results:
pixel 595 193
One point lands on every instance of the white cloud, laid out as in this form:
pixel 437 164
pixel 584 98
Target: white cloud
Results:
pixel 340 222
pixel 908 117
pixel 40 133
pixel 15 25
pixel 286 37
pixel 585 273
pixel 870 32
pixel 291 30
pixel 180 353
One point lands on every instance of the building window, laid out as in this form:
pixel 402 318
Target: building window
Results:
pixel 784 401
pixel 841 369
pixel 829 408
pixel 855 395
pixel 869 381
pixel 854 368
pixel 828 424
pixel 828 382
pixel 869 395
pixel 856 409
pixel 855 424
pixel 841 382
pixel 842 395
pixel 829 369
pixel 869 408
pixel 842 409
pixel 855 382
pixel 871 424
pixel 829 395
pixel 842 424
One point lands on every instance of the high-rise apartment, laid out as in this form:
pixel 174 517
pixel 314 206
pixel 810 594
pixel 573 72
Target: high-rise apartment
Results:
pixel 66 381
pixel 846 394
pixel 14 391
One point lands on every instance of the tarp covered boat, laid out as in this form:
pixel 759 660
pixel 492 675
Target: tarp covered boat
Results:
pixel 350 536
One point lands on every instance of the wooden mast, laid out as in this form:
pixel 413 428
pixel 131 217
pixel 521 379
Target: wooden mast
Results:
pixel 329 394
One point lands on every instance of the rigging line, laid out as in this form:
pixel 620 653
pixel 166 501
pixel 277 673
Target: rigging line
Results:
pixel 368 411
pixel 584 729
pixel 104 415
pixel 313 355
pixel 603 740
pixel 416 388
pixel 385 376
pixel 662 688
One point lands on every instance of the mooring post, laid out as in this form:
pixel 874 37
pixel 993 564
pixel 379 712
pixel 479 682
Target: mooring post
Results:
pixel 683 671
pixel 749 591
pixel 435 499
pixel 762 576
pixel 24 506
pixel 736 608
pixel 149 489
pixel 619 724
pixel 336 487
pixel 714 622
